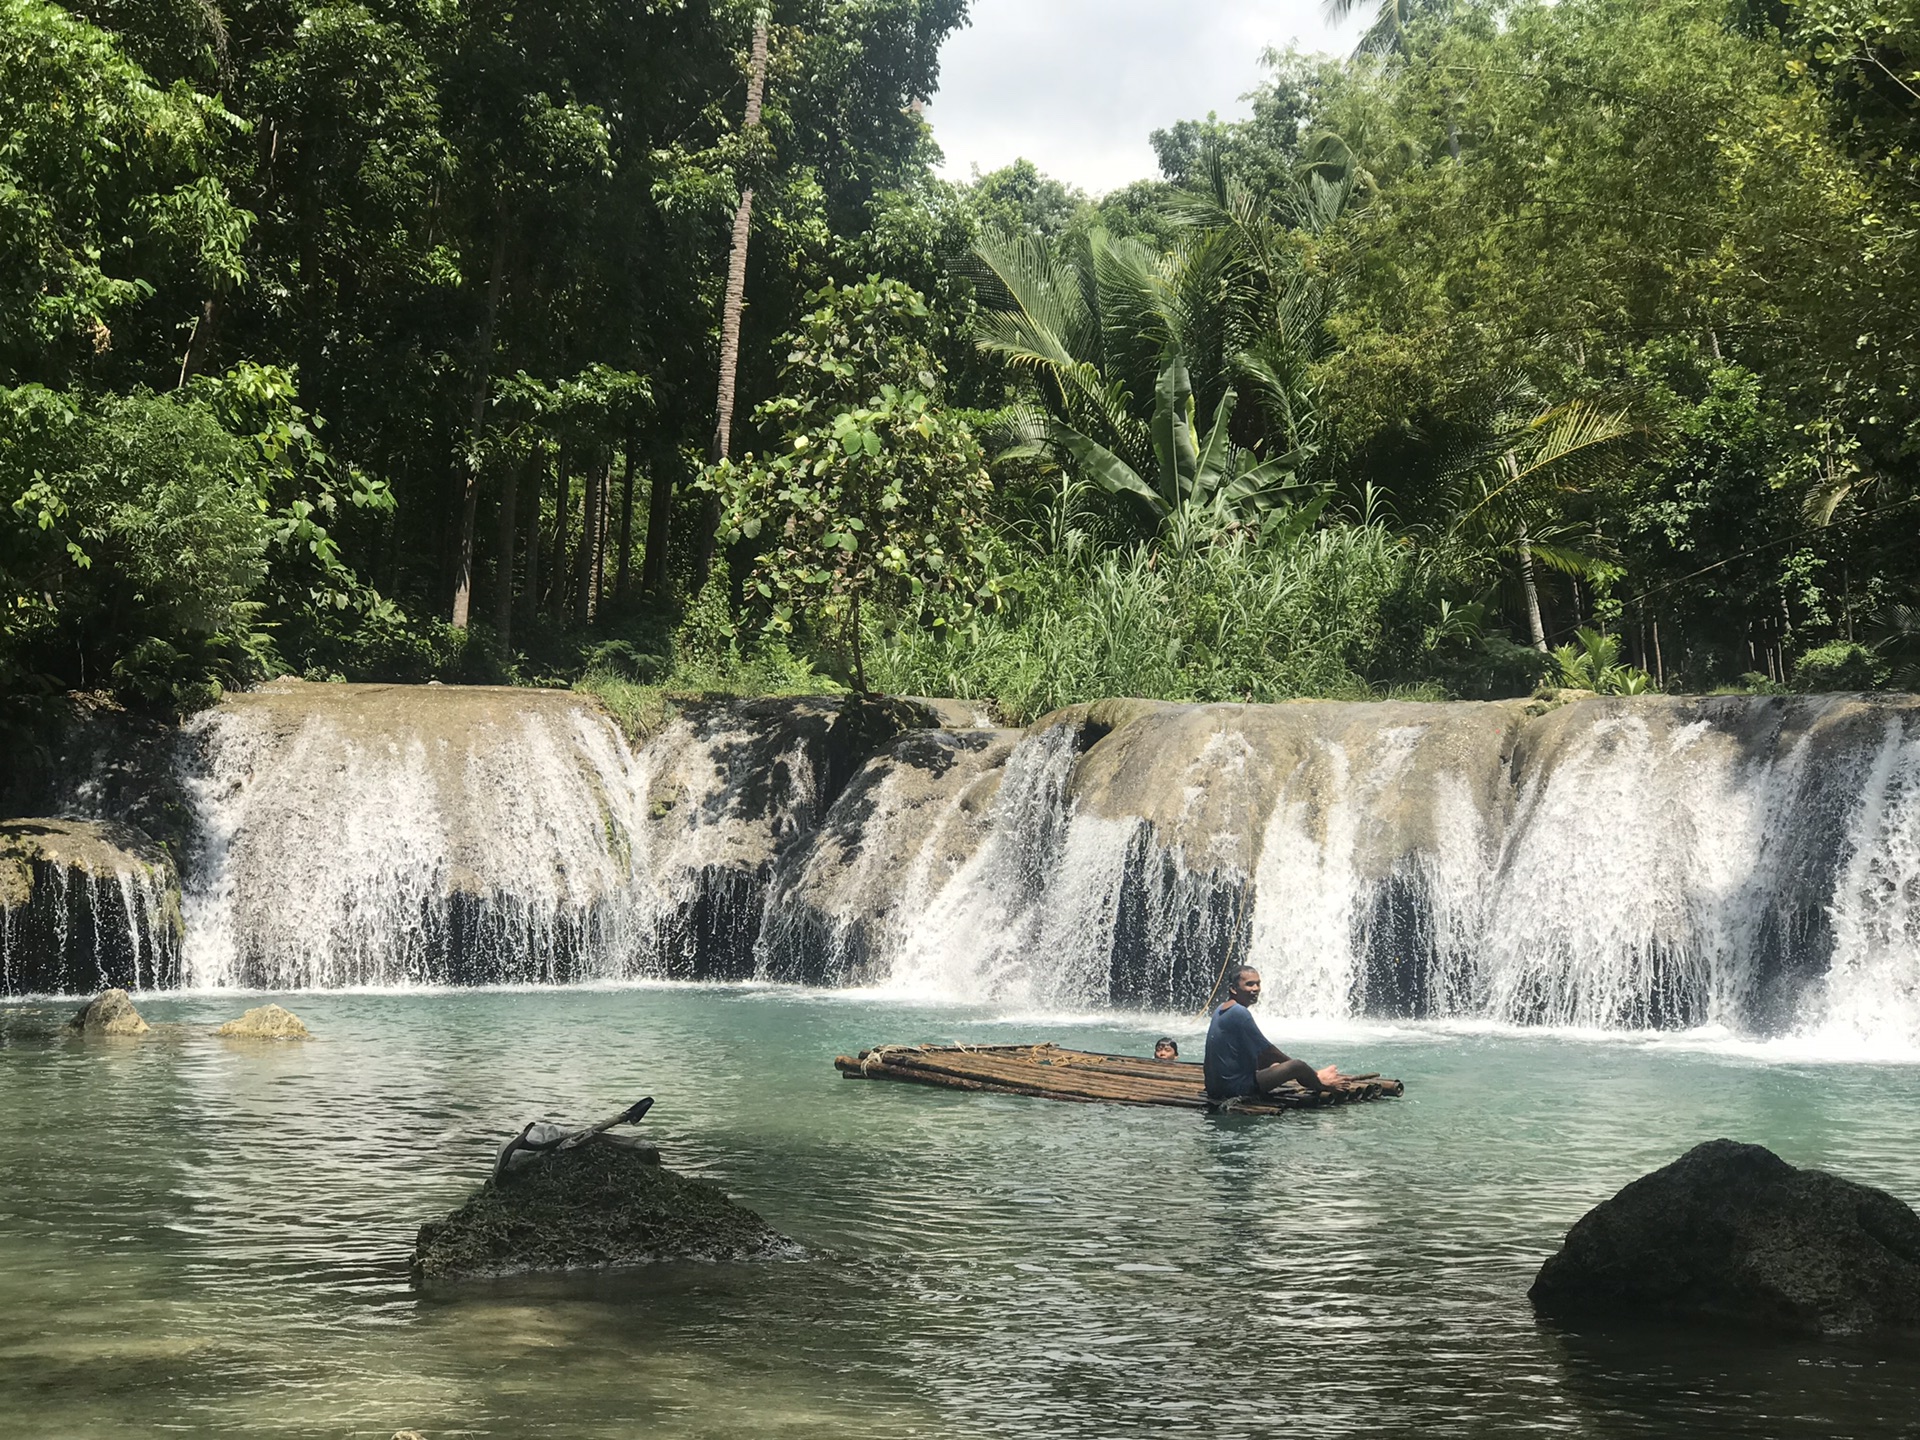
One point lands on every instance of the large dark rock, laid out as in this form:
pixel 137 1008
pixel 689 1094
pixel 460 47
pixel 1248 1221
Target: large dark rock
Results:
pixel 605 1203
pixel 1733 1233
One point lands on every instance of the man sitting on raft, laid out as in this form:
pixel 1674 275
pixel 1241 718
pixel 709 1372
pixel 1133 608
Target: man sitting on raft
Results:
pixel 1240 1061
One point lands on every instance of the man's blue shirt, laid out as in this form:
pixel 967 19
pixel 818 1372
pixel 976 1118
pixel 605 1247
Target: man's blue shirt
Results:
pixel 1234 1048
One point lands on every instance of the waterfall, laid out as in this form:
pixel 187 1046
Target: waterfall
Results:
pixel 84 905
pixel 1631 864
pixel 1619 864
pixel 468 835
pixel 1871 992
pixel 386 835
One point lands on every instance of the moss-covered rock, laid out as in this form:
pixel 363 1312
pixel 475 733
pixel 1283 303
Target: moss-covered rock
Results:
pixel 109 1013
pixel 605 1203
pixel 266 1022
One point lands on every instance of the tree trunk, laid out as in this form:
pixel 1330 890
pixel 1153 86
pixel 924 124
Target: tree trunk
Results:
pixel 589 542
pixel 1534 627
pixel 530 591
pixel 626 520
pixel 603 527
pixel 653 565
pixel 503 601
pixel 859 652
pixel 470 496
pixel 557 585
pixel 737 261
pixel 199 340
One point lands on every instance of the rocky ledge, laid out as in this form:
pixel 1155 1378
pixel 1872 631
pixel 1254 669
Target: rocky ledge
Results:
pixel 85 904
pixel 604 1203
pixel 1733 1234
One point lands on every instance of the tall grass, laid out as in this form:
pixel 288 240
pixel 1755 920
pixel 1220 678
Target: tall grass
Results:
pixel 642 707
pixel 1216 616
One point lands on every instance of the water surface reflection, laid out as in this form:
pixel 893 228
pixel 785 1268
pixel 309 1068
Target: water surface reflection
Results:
pixel 211 1236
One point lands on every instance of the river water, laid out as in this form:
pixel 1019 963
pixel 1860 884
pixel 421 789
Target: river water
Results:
pixel 205 1237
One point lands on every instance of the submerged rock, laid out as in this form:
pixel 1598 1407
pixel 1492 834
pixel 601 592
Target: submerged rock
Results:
pixel 266 1022
pixel 604 1203
pixel 1733 1233
pixel 110 1012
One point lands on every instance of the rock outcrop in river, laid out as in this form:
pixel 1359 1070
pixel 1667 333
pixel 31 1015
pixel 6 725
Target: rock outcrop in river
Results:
pixel 1752 862
pixel 605 1203
pixel 111 1012
pixel 85 905
pixel 1733 1234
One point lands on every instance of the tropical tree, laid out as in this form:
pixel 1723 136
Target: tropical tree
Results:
pixel 871 490
pixel 1194 476
pixel 737 255
pixel 1503 493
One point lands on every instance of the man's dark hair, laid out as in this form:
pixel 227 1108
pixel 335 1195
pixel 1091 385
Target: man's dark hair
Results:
pixel 1169 1042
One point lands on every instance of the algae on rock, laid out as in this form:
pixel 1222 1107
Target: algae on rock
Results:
pixel 110 1012
pixel 266 1022
pixel 605 1203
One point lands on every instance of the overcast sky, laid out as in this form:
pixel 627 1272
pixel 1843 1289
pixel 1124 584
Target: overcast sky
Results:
pixel 1076 86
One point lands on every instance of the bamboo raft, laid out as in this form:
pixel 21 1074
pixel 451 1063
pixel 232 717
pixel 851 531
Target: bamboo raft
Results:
pixel 1048 1072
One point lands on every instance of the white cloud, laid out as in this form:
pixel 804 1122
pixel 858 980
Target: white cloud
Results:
pixel 1076 86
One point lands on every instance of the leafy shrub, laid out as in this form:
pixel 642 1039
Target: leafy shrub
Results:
pixel 1496 668
pixel 1839 665
pixel 1594 664
pixel 134 537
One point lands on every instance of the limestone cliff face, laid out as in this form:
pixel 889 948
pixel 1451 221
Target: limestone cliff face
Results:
pixel 1584 861
pixel 85 905
pixel 1627 862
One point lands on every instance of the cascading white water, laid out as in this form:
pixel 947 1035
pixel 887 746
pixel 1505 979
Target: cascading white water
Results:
pixel 1621 864
pixel 81 911
pixel 1871 992
pixel 1748 863
pixel 381 836
pixel 1023 917
pixel 338 847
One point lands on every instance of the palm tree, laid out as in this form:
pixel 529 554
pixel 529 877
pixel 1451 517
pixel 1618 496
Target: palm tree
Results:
pixel 737 260
pixel 1390 33
pixel 1120 339
pixel 1500 495
pixel 1193 475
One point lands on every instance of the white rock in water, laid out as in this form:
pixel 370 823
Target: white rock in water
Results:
pixel 268 1022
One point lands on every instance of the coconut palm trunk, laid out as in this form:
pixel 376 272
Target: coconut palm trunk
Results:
pixel 737 261
pixel 1534 627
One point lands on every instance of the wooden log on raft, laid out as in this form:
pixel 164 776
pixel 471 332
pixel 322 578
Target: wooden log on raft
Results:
pixel 1049 1072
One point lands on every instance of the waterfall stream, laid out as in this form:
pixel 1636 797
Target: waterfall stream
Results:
pixel 1646 863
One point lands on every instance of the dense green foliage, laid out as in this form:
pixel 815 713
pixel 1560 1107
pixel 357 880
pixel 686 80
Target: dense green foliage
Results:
pixel 1538 342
